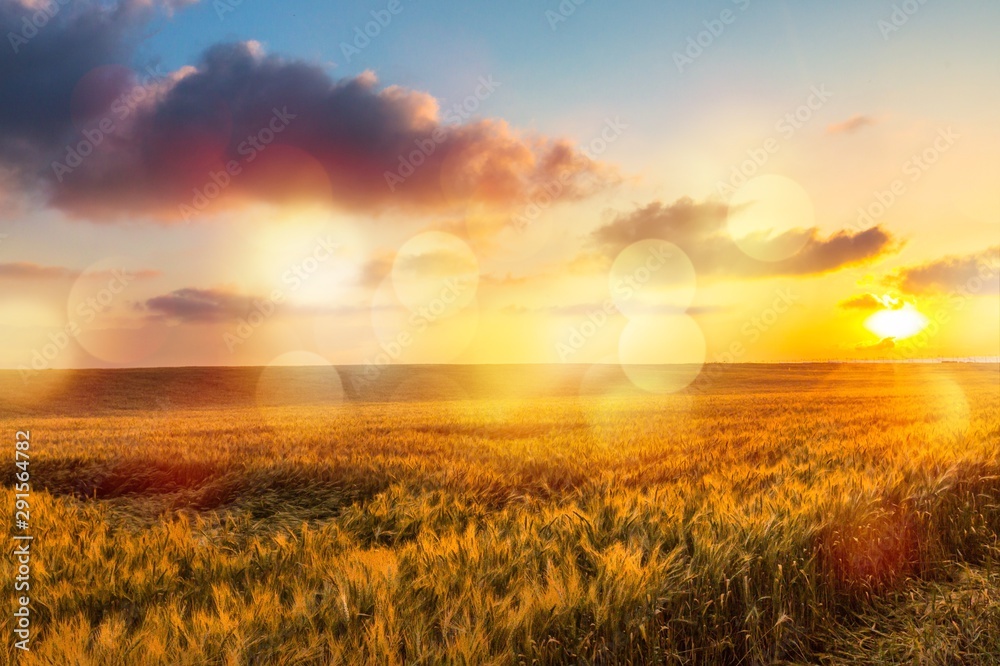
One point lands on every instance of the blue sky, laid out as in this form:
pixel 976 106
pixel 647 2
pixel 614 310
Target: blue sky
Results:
pixel 617 59
pixel 604 50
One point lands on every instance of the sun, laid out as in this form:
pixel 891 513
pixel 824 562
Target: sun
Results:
pixel 897 323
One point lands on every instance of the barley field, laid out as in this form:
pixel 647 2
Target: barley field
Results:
pixel 777 514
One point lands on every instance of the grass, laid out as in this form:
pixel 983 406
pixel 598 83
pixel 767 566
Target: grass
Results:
pixel 770 514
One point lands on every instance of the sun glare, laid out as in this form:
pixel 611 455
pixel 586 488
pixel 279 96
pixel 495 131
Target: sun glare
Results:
pixel 896 323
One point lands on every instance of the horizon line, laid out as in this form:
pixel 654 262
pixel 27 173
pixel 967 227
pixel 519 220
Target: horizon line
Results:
pixel 980 360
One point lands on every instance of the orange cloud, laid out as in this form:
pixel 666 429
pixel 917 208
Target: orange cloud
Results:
pixel 25 270
pixel 884 344
pixel 851 125
pixel 871 302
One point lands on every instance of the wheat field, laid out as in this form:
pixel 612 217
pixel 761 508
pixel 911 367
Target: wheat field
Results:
pixel 779 514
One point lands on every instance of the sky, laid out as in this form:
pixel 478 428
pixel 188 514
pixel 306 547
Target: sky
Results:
pixel 249 183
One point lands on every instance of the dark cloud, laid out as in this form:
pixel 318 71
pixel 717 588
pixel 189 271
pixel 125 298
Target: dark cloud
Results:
pixel 44 58
pixel 844 248
pixel 977 273
pixel 871 302
pixel 682 219
pixel 221 304
pixel 700 230
pixel 290 131
pixel 851 125
pixel 200 305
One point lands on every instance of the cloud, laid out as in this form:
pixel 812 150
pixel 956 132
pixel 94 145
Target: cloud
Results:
pixel 42 65
pixel 607 308
pixel 583 309
pixel 201 305
pixel 432 263
pixel 287 131
pixel 223 304
pixel 23 270
pixel 375 270
pixel 26 270
pixel 851 125
pixel 872 302
pixel 977 273
pixel 510 280
pixel 882 345
pixel 844 248
pixel 435 263
pixel 700 230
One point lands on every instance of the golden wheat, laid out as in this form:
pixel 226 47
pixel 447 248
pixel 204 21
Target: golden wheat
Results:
pixel 828 514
